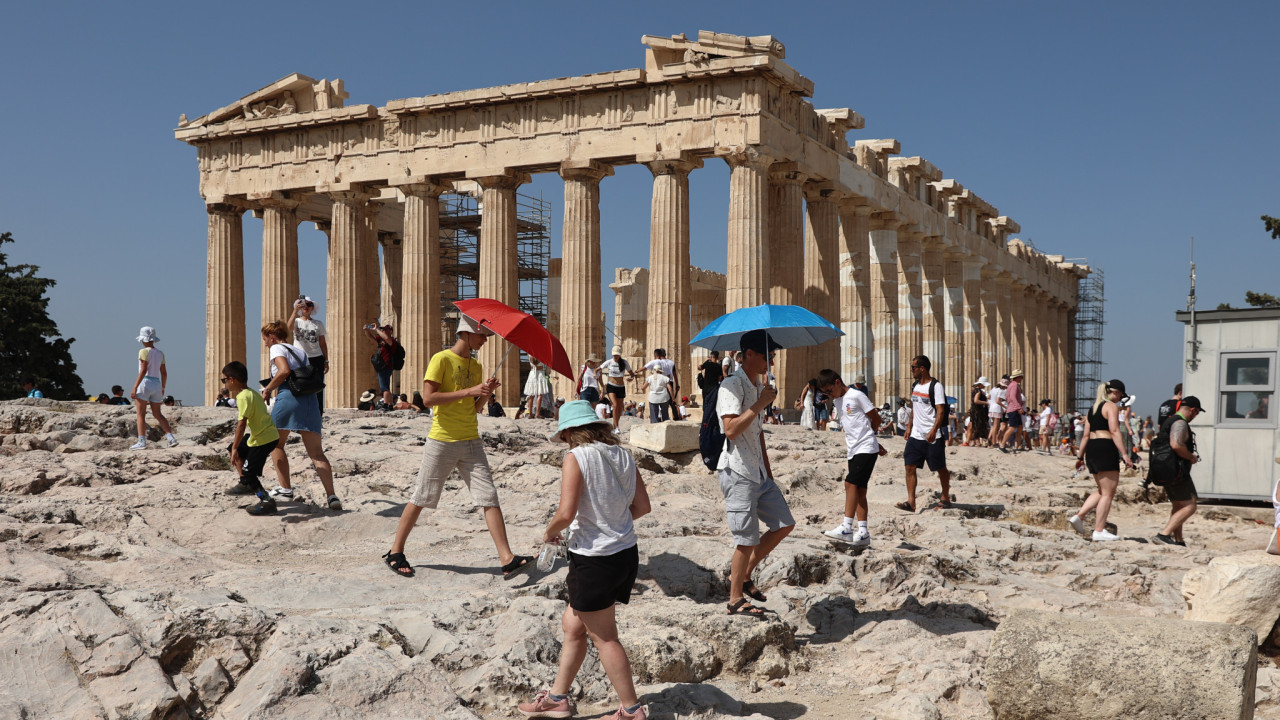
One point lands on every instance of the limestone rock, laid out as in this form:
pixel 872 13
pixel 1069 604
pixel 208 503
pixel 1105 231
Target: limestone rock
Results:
pixel 669 655
pixel 1045 666
pixel 211 681
pixel 667 437
pixel 1240 589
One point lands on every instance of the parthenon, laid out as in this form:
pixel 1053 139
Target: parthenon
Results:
pixel 904 261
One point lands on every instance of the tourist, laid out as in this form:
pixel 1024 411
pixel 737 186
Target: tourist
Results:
pixel 308 336
pixel 683 407
pixel 667 367
pixel 860 384
pixel 293 413
pixel 616 371
pixel 979 424
pixel 1045 421
pixel 117 396
pixel 383 359
pixel 224 399
pixel 1181 490
pixel 29 387
pixel 659 395
pixel 249 452
pixel 367 399
pixel 1170 406
pixel 1102 452
pixel 925 446
pixel 604 410
pixel 589 380
pixel 535 387
pixel 402 403
pixel 861 422
pixel 601 495
pixel 995 411
pixel 1029 433
pixel 746 478
pixel 1126 431
pixel 710 373
pixel 903 417
pixel 886 421
pixel 805 404
pixel 148 388
pixel 169 401
pixel 732 360
pixel 1015 404
pixel 821 411
pixel 494 409
pixel 455 389
pixel 102 399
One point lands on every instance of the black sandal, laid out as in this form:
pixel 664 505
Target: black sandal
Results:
pixel 518 564
pixel 742 607
pixel 398 564
pixel 750 590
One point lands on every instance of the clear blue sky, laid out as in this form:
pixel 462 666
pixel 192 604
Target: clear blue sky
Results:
pixel 1109 131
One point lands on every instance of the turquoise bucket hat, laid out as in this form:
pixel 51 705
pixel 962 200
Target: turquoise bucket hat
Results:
pixel 576 413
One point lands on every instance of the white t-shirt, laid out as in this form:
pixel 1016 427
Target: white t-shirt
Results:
pixel 1028 422
pixel 307 334
pixel 658 392
pixel 924 409
pixel 615 370
pixel 1044 416
pixel 729 365
pixel 291 355
pixel 996 400
pixel 859 437
pixel 663 365
pixel 744 455
pixel 602 410
pixel 589 378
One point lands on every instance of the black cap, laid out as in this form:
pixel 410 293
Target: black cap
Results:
pixel 1117 385
pixel 1191 401
pixel 755 340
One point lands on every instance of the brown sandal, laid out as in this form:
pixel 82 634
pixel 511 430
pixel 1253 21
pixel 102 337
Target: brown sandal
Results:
pixel 905 506
pixel 742 607
pixel 750 590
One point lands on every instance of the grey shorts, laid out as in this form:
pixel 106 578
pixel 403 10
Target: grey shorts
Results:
pixel 750 502
pixel 441 458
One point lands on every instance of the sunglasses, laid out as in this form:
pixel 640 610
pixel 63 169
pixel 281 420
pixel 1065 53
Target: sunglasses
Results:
pixel 223 380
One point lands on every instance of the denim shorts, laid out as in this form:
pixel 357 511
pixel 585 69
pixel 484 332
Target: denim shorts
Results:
pixel 750 502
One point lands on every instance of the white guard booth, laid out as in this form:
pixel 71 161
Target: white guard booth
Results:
pixel 1230 365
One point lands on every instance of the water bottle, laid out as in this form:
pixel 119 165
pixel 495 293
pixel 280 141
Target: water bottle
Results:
pixel 547 556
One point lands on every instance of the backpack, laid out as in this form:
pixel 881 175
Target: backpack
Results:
pixel 397 356
pixel 1163 464
pixel 379 364
pixel 946 406
pixel 1053 422
pixel 710 435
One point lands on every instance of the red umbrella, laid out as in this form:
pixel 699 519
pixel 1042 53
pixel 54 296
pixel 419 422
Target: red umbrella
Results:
pixel 521 330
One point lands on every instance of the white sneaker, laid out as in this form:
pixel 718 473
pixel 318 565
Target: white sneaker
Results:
pixel 1076 524
pixel 842 533
pixel 173 441
pixel 1104 536
pixel 140 445
pixel 861 538
pixel 281 493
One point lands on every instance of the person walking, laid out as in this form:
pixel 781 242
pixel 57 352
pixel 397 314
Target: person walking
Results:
pixel 589 380
pixel 616 371
pixel 601 495
pixel 455 388
pixel 1102 452
pixel 148 388
pixel 1015 404
pixel 250 450
pixel 746 479
pixel 979 424
pixel 995 411
pixel 308 336
pixel 1170 406
pixel 925 446
pixel 1180 489
pixel 710 373
pixel 903 417
pixel 293 413
pixel 659 396
pixel 861 422
pixel 808 418
pixel 1045 422
pixel 535 387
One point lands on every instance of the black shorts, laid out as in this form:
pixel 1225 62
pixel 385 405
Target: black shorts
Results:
pixel 860 467
pixel 1013 419
pixel 1182 489
pixel 619 390
pixel 252 460
pixel 920 453
pixel 596 583
pixel 1101 455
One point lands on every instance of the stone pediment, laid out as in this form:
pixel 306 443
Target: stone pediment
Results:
pixel 293 93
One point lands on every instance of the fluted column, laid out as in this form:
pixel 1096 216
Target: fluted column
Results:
pixel 931 264
pixel 953 291
pixel 1004 325
pixel 224 295
pixel 670 291
pixel 910 301
pixel 499 276
pixel 1030 350
pixel 972 319
pixel 990 323
pixel 371 285
pixel 279 265
pixel 882 243
pixel 581 325
pixel 1043 332
pixel 392 246
pixel 821 270
pixel 786 278
pixel 855 289
pixel 420 281
pixel 344 306
pixel 747 279
pixel 1017 325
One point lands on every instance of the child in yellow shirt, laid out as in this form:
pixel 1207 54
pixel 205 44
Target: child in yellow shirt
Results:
pixel 249 452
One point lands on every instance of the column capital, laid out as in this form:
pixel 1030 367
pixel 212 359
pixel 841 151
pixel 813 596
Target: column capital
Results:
pixel 886 220
pixel 420 185
pixel 586 170
pixel 355 196
pixel 855 204
pixel 786 173
pixel 498 179
pixel 1017 284
pixel 910 232
pixel 275 200
pixel 973 262
pixel 990 271
pixel 820 191
pixel 933 243
pixel 683 164
pixel 749 155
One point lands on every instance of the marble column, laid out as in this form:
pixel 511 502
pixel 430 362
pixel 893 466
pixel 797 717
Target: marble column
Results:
pixel 990 323
pixel 344 306
pixel 1017 326
pixel 821 270
pixel 1004 310
pixel 1044 332
pixel 882 244
pixel 747 279
pixel 953 291
pixel 581 324
pixel 420 318
pixel 1030 350
pixel 499 274
pixel 855 289
pixel 934 319
pixel 910 310
pixel 392 246
pixel 670 290
pixel 371 285
pixel 279 265
pixel 786 277
pixel 224 295
pixel 972 319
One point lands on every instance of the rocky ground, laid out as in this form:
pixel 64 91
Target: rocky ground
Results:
pixel 131 586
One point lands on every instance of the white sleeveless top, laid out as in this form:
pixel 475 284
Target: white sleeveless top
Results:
pixel 603 525
pixel 1275 504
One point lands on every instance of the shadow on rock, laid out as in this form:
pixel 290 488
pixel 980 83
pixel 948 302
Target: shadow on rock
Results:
pixel 677 575
pixel 783 710
pixel 833 619
pixel 936 618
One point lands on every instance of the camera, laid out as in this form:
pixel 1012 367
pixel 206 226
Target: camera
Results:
pixel 370 326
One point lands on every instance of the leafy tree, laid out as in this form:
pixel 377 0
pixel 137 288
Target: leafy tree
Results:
pixel 1272 225
pixel 1262 300
pixel 30 344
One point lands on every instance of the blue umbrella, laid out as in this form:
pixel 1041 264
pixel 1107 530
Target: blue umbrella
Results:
pixel 787 325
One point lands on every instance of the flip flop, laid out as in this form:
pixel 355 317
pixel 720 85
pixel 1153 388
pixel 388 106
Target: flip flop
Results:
pixel 518 564
pixel 742 607
pixel 398 564
pixel 906 506
pixel 750 590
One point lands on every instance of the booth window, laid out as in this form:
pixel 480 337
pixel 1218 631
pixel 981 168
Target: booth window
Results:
pixel 1248 382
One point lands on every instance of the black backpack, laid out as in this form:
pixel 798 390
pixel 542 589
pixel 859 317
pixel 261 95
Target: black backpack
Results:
pixel 710 436
pixel 946 406
pixel 397 357
pixel 1163 464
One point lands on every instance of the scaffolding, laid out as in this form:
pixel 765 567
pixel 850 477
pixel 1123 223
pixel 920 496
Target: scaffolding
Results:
pixel 460 253
pixel 1087 332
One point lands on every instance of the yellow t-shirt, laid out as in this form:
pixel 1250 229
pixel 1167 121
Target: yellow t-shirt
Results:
pixel 455 421
pixel 251 409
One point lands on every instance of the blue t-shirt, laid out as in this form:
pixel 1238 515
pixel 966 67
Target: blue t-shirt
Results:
pixel 35 392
